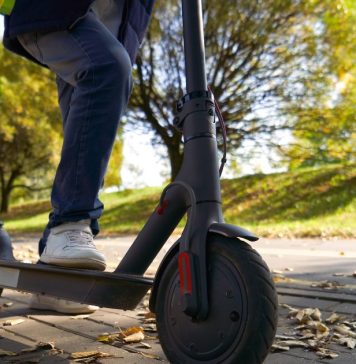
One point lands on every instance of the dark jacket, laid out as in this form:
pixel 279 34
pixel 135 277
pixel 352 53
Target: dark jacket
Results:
pixel 54 15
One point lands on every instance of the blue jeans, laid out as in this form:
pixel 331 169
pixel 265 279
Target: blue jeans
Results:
pixel 94 84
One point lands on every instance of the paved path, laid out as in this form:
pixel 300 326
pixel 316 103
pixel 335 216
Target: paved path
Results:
pixel 298 265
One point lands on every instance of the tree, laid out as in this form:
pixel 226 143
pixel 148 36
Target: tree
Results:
pixel 261 57
pixel 113 177
pixel 325 130
pixel 29 124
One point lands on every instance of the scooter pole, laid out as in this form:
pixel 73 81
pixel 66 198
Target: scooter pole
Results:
pixel 194 49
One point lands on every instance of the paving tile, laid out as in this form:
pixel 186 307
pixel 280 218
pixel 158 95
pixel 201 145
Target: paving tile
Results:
pixel 284 358
pixel 79 335
pixel 304 302
pixel 347 308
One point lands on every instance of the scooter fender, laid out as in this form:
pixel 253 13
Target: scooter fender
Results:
pixel 227 230
pixel 232 231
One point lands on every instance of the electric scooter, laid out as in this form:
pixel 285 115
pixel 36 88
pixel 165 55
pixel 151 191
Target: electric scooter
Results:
pixel 213 295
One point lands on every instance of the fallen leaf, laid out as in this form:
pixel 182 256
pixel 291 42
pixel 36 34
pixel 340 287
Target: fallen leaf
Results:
pixel 13 322
pixel 284 337
pixel 327 284
pixel 88 354
pixel 325 353
pixel 134 338
pixel 144 345
pixel 7 353
pixel 306 314
pixel 146 303
pixel 109 338
pixel 284 305
pixel 292 343
pixel 334 317
pixel 343 329
pixel 276 347
pixel 132 330
pixel 150 327
pixel 347 341
pixel 149 315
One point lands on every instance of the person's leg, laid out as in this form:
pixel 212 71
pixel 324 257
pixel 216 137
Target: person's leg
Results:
pixel 96 65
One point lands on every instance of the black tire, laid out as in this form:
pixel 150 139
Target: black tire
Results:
pixel 242 320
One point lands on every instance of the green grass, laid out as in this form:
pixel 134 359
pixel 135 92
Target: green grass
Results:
pixel 313 202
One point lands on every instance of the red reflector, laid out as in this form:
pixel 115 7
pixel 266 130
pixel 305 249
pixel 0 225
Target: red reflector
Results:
pixel 185 277
pixel 162 207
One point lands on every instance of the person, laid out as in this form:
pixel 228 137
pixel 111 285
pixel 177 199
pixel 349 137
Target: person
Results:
pixel 91 46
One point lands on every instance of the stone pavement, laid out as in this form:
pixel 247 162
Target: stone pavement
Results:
pixel 71 335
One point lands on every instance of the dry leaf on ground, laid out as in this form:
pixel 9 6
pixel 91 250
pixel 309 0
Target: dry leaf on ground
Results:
pixel 150 327
pixel 328 284
pixel 334 317
pixel 134 338
pixel 276 347
pixel 89 354
pixel 347 341
pixel 6 353
pixel 343 329
pixel 109 338
pixel 144 345
pixel 13 322
pixel 151 356
pixel 326 354
pixel 292 343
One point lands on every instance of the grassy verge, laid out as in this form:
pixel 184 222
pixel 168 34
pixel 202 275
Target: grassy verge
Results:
pixel 313 202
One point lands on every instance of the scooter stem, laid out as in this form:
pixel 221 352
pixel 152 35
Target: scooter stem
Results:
pixel 194 49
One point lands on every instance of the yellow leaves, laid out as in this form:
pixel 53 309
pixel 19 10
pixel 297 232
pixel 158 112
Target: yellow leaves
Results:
pixel 343 329
pixel 13 322
pixel 130 335
pixel 334 317
pixel 314 335
pixel 328 284
pixel 6 353
pixel 80 355
pixel 134 338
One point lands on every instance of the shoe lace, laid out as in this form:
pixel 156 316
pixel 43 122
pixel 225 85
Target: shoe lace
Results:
pixel 76 237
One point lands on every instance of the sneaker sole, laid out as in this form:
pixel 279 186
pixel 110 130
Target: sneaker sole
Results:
pixel 75 263
pixel 49 307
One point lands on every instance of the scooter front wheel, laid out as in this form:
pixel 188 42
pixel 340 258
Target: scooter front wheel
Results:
pixel 242 318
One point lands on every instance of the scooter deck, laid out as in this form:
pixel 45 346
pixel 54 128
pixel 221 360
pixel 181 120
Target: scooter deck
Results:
pixel 104 289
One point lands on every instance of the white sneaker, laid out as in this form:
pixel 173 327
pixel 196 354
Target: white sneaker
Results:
pixel 71 245
pixel 41 302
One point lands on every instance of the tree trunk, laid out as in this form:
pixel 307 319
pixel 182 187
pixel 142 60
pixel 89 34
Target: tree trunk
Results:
pixel 175 157
pixel 5 198
pixel 6 190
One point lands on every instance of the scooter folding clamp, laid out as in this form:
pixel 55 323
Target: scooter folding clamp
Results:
pixel 191 103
